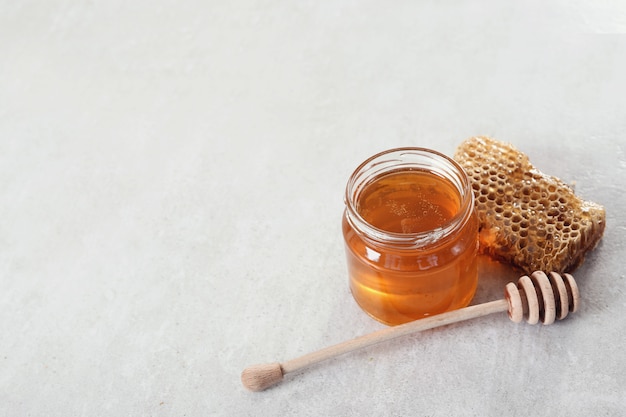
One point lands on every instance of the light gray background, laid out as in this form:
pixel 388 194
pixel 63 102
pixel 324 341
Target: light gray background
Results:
pixel 171 184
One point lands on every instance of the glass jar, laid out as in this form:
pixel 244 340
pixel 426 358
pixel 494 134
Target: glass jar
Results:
pixel 411 235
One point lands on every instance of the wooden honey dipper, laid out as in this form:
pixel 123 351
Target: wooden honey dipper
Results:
pixel 538 297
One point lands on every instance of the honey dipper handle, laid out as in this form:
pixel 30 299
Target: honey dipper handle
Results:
pixel 260 377
pixel 384 335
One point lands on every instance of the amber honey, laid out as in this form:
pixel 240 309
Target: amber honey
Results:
pixel 411 235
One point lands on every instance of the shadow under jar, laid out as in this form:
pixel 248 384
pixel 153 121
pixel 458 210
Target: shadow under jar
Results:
pixel 411 235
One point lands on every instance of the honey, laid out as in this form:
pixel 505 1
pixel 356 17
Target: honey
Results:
pixel 411 235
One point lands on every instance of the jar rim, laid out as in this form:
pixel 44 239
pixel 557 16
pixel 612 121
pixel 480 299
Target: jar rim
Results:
pixel 443 166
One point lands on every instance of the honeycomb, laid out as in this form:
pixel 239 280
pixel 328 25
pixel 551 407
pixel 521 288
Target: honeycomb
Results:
pixel 527 218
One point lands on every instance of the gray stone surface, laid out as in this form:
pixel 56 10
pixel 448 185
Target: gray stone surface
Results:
pixel 172 176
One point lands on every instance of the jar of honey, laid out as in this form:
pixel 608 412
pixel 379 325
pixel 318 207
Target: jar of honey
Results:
pixel 411 235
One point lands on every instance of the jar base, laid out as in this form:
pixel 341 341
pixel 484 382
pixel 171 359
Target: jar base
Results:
pixel 395 309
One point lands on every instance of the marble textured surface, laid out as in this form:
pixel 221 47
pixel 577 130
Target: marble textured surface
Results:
pixel 171 181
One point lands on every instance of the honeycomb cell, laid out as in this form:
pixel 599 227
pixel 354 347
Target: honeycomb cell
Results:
pixel 535 221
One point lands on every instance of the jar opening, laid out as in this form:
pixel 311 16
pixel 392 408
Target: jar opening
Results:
pixel 408 197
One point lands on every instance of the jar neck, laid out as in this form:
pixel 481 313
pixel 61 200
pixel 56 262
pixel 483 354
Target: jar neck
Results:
pixel 408 159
